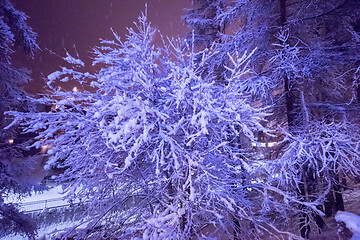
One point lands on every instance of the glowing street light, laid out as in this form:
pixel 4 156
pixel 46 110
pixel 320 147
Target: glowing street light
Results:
pixel 11 141
pixel 44 148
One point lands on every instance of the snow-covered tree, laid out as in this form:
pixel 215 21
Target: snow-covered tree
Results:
pixel 14 32
pixel 202 19
pixel 158 148
pixel 316 63
pixel 306 66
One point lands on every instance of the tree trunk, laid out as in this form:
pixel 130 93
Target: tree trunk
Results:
pixel 304 218
pixel 304 226
pixel 289 101
pixel 339 202
pixel 329 203
pixel 334 200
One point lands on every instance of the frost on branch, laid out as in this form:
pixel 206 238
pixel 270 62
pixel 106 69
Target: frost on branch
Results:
pixel 160 149
pixel 317 153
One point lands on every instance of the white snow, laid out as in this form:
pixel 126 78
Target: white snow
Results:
pixel 352 222
pixel 54 197
pixel 70 59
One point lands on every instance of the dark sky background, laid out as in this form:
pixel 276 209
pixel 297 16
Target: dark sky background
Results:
pixel 70 24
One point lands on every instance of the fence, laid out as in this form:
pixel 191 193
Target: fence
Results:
pixel 40 205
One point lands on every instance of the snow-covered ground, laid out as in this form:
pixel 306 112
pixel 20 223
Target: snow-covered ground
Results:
pixel 54 197
pixel 352 222
pixel 37 202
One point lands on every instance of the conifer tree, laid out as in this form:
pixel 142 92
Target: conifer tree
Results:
pixel 14 32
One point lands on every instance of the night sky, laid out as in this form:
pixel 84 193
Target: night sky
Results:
pixel 78 24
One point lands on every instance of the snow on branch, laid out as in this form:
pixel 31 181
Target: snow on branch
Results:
pixel 159 136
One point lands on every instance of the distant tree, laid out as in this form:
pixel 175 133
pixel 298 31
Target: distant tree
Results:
pixel 202 20
pixel 14 32
pixel 153 150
